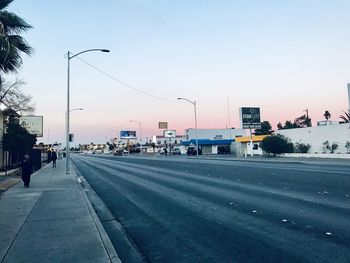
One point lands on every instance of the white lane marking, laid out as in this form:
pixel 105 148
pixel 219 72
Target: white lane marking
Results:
pixel 328 233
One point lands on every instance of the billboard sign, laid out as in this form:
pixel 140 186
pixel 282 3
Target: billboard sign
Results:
pixel 33 124
pixel 250 117
pixel 163 125
pixel 127 134
pixel 170 134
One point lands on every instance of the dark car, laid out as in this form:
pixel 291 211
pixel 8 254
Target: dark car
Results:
pixel 224 149
pixel 193 151
pixel 120 152
pixel 176 151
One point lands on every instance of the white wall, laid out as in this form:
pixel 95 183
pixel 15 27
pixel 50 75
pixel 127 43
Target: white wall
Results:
pixel 315 136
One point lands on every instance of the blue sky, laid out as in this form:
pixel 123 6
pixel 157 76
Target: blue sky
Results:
pixel 284 56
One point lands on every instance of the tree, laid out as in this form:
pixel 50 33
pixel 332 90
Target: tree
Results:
pixel 276 144
pixel 287 125
pixel 17 141
pixel 300 122
pixel 346 117
pixel 303 121
pixel 12 45
pixel 327 115
pixel 265 129
pixel 13 97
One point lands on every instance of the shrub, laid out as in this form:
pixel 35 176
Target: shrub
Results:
pixel 302 147
pixel 347 146
pixel 276 144
pixel 331 147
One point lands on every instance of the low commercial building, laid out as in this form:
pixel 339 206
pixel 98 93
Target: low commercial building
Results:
pixel 242 146
pixel 213 141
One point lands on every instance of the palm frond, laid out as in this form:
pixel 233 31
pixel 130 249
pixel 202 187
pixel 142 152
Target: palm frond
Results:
pixel 12 23
pixel 5 3
pixel 18 42
pixel 346 117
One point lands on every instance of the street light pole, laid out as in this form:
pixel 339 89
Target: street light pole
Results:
pixel 69 57
pixel 139 123
pixel 67 114
pixel 195 121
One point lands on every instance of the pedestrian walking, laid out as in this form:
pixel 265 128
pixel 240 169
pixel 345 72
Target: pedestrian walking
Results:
pixel 27 170
pixel 53 158
pixel 49 156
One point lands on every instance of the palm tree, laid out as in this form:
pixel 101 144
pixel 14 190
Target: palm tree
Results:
pixel 12 45
pixel 346 117
pixel 327 115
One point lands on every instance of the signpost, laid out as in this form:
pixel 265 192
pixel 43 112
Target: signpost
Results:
pixel 162 125
pixel 170 133
pixel 33 124
pixel 250 119
pixel 127 134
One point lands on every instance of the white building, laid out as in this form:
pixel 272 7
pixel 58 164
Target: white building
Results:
pixel 211 140
pixel 318 136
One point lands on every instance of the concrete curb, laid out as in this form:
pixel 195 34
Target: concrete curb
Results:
pixel 112 254
pixel 8 183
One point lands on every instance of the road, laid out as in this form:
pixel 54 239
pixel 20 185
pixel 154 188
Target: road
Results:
pixel 188 210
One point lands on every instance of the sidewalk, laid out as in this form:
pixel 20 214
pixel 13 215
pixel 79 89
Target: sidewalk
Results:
pixel 51 221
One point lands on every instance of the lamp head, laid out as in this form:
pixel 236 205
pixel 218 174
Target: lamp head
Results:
pixel 105 50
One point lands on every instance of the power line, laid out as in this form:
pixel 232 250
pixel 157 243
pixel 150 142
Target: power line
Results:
pixel 125 84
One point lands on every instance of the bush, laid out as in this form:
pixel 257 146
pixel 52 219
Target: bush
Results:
pixel 276 144
pixel 347 146
pixel 331 147
pixel 302 147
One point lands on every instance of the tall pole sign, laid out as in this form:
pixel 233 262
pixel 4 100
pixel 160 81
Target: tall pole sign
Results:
pixel 250 119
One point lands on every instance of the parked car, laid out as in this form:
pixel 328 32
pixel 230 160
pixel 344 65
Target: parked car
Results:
pixel 120 152
pixel 193 151
pixel 224 149
pixel 161 150
pixel 176 151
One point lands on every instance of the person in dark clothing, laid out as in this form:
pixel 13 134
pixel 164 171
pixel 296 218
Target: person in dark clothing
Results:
pixel 53 158
pixel 27 170
pixel 49 156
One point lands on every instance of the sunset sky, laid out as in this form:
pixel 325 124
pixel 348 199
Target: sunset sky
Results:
pixel 283 56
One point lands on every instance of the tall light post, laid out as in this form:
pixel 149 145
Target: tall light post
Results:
pixel 76 109
pixel 195 120
pixel 139 123
pixel 69 57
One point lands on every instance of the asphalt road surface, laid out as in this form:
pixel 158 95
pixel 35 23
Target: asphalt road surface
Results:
pixel 188 210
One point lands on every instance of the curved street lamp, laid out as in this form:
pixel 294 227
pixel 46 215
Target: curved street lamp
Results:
pixel 195 119
pixel 139 123
pixel 69 57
